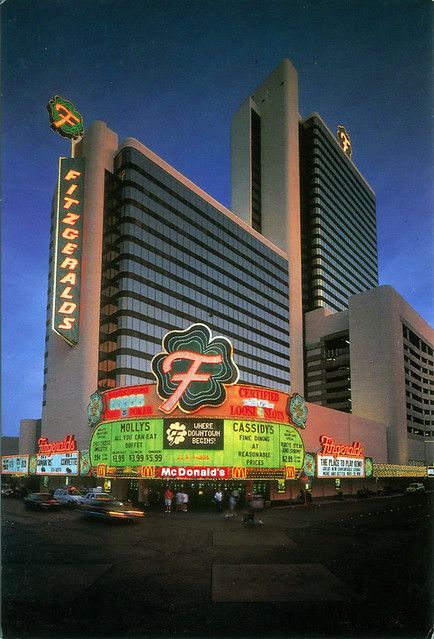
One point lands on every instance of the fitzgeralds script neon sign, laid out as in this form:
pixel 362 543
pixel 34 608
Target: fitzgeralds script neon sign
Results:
pixel 329 447
pixel 194 369
pixel 67 445
pixel 68 243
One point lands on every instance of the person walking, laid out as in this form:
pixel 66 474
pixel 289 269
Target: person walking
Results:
pixel 168 497
pixel 232 502
pixel 218 499
pixel 184 502
pixel 178 500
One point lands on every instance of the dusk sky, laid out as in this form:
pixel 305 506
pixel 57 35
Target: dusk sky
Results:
pixel 171 73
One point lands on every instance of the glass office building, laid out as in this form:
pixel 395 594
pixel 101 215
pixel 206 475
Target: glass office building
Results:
pixel 171 258
pixel 339 240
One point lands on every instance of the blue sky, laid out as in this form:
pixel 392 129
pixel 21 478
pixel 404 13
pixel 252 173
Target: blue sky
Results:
pixel 172 73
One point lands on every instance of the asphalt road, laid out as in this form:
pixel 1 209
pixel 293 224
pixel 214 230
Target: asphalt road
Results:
pixel 344 569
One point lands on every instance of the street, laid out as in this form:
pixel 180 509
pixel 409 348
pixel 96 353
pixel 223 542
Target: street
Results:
pixel 336 569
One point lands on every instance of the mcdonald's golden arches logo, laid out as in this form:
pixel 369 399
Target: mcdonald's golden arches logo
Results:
pixel 147 471
pixel 290 472
pixel 239 472
pixel 100 470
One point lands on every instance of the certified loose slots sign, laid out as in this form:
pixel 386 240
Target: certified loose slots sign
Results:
pixel 67 254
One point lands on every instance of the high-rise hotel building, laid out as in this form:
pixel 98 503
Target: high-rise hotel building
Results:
pixel 159 253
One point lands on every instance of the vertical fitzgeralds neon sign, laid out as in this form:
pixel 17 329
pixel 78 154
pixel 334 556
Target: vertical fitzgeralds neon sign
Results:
pixel 67 256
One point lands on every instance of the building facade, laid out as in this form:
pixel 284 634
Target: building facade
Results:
pixel 376 360
pixel 289 276
pixel 158 254
pixel 339 238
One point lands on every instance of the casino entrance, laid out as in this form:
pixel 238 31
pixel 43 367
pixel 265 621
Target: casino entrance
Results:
pixel 200 493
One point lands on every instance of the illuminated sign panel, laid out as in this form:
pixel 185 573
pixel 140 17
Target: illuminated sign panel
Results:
pixel 68 245
pixel 15 464
pixel 64 117
pixel 58 464
pixel 197 443
pixel 344 140
pixel 339 460
pixel 141 401
pixel 329 466
pixel 194 369
pixel 68 444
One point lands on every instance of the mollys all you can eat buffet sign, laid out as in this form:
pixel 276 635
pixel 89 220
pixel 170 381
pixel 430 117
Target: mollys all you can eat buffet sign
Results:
pixel 196 421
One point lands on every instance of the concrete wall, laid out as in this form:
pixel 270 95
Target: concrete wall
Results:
pixel 241 174
pixel 73 371
pixel 377 362
pixel 30 431
pixel 321 322
pixel 345 428
pixel 9 445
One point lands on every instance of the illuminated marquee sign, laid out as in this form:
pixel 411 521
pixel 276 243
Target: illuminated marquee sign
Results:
pixel 188 442
pixel 143 401
pixel 64 117
pixel 344 140
pixel 15 464
pixel 194 369
pixel 58 464
pixel 340 460
pixel 68 245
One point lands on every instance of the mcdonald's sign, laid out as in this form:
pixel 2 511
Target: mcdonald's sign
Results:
pixel 290 472
pixel 147 471
pixel 100 470
pixel 239 472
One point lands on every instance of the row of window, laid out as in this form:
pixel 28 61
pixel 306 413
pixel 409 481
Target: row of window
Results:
pixel 170 225
pixel 325 149
pixel 158 248
pixel 146 173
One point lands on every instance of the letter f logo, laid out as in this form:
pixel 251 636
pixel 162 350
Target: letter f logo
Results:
pixel 193 370
pixel 191 375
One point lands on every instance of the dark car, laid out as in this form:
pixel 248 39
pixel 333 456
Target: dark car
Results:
pixel 41 501
pixel 109 509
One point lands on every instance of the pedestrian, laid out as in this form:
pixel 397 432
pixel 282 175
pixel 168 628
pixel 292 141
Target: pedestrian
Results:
pixel 218 499
pixel 178 500
pixel 232 502
pixel 168 496
pixel 184 502
pixel 255 505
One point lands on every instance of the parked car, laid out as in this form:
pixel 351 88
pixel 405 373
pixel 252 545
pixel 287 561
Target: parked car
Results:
pixel 41 501
pixel 415 487
pixel 69 496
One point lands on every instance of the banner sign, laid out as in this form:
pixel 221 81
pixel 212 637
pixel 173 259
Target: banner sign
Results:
pixel 330 466
pixel 58 464
pixel 217 443
pixel 15 464
pixel 242 401
pixel 67 249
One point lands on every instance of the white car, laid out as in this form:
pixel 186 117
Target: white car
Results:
pixel 415 488
pixel 68 496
